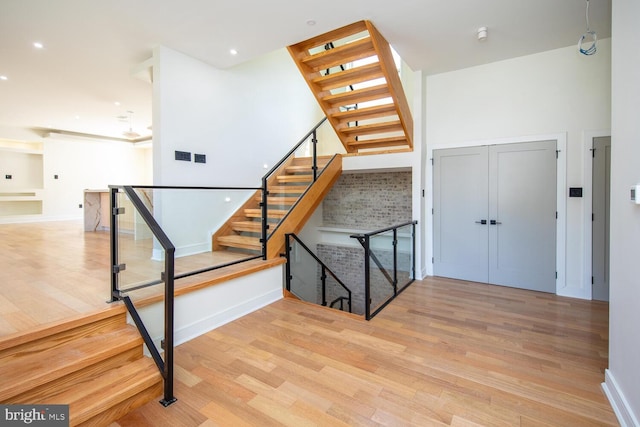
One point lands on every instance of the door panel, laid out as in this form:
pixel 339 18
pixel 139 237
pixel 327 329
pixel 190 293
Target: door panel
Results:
pixel 460 199
pixel 522 201
pixel 601 219
pixel 515 186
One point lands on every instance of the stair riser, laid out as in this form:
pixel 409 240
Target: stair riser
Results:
pixel 116 412
pixel 56 339
pixel 39 373
pixel 43 393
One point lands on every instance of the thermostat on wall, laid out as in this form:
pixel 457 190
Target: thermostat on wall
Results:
pixel 635 194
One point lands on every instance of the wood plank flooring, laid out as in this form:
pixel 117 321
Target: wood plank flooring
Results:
pixel 50 271
pixel 444 353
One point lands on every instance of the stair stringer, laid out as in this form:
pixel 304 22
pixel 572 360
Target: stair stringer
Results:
pixel 302 211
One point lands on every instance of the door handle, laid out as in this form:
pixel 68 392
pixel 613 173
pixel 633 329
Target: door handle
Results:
pixel 494 222
pixel 482 221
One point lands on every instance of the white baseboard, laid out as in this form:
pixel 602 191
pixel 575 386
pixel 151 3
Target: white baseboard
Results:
pixel 204 325
pixel 199 312
pixel 619 403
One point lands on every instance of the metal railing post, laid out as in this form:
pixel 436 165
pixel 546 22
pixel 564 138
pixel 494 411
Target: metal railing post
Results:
pixel 169 398
pixel 395 261
pixel 113 229
pixel 367 279
pixel 323 278
pixel 287 248
pixel 265 224
pixel 314 142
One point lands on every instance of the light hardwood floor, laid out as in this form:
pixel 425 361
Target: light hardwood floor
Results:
pixel 50 271
pixel 445 352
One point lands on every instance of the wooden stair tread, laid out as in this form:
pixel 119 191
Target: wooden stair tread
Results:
pixel 22 373
pixel 393 141
pixel 90 398
pixel 341 55
pixel 9 343
pixel 332 36
pixel 308 160
pixel 271 213
pixel 288 189
pixel 250 226
pixel 358 96
pixel 244 242
pixel 304 169
pixel 294 178
pixel 349 76
pixel 282 200
pixel 374 112
pixel 373 128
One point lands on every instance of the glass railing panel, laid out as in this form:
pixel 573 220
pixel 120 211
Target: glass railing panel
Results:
pixel 135 245
pixel 405 256
pixel 289 180
pixel 381 269
pixel 190 218
pixel 305 274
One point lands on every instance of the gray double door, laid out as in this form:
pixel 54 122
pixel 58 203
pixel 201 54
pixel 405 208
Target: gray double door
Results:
pixel 494 217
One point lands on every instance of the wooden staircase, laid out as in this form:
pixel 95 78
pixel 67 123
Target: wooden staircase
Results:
pixel 292 183
pixel 352 73
pixel 92 363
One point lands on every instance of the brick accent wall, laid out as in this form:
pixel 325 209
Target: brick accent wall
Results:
pixel 368 201
pixel 364 201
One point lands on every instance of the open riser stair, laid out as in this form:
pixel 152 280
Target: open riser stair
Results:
pixel 94 364
pixel 292 198
pixel 353 75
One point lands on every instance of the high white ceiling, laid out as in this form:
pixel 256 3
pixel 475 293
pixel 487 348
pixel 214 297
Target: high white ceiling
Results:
pixel 91 46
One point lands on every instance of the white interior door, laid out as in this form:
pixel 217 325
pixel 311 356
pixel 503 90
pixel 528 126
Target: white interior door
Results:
pixel 495 214
pixel 600 224
pixel 522 214
pixel 460 205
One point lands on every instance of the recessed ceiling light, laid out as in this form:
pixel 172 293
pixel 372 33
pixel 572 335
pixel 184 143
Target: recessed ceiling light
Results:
pixel 77 117
pixel 116 103
pixel 38 45
pixel 233 52
pixel 311 22
pixel 4 78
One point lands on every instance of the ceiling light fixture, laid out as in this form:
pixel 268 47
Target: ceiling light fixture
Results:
pixel 311 22
pixel 4 78
pixel 38 45
pixel 233 52
pixel 482 34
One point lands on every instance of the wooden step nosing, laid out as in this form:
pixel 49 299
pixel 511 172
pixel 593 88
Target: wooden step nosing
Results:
pixel 21 338
pixel 34 378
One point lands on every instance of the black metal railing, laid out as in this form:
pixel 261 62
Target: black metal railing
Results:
pixel 164 365
pixel 393 268
pixel 157 257
pixel 146 218
pixel 312 137
pixel 325 273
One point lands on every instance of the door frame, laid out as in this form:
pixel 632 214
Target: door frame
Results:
pixel 587 207
pixel 561 199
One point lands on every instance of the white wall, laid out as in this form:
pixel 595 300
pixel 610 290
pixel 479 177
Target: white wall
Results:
pixel 554 92
pixel 80 164
pixel 623 376
pixel 241 118
pixel 87 164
